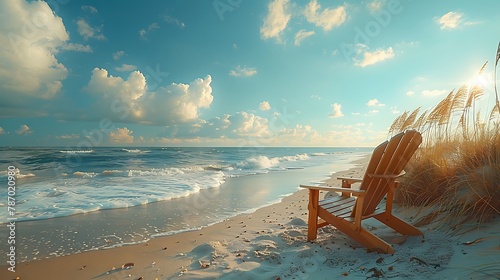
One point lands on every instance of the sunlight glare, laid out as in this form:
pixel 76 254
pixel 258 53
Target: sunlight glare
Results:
pixel 483 80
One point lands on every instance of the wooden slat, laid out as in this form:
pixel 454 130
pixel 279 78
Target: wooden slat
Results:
pixel 332 200
pixel 335 207
pixel 341 212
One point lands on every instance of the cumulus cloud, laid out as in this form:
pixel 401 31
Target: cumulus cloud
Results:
pixel 326 19
pixel 117 55
pixel 126 68
pixel 375 6
pixel 236 126
pixel 374 103
pixel 130 100
pixel 301 35
pixel 248 125
pixel 276 20
pixel 299 135
pixel 370 58
pixel 337 111
pixel 89 32
pixel 23 129
pixel 121 136
pixel 264 106
pixel 243 71
pixel 449 20
pixel 410 93
pixel 30 35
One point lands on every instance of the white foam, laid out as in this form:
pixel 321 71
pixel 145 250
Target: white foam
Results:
pixel 77 151
pixel 83 192
pixel 84 174
pixel 264 162
pixel 135 151
pixel 17 174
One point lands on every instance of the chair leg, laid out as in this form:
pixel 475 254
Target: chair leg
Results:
pixel 362 236
pixel 398 224
pixel 312 223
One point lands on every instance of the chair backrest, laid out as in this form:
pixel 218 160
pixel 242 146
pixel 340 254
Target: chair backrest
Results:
pixel 389 158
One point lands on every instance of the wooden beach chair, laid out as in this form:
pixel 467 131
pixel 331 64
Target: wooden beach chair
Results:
pixel 346 211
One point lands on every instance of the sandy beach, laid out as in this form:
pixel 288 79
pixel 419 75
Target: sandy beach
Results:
pixel 270 243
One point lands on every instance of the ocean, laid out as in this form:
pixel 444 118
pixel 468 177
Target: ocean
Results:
pixel 69 201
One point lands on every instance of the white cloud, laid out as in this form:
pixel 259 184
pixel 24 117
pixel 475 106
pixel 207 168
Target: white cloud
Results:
pixel 410 93
pixel 77 47
pixel 350 135
pixel 143 33
pixel 326 19
pixel 299 135
pixel 276 20
pixel 126 68
pixel 23 129
pixel 450 20
pixel 88 32
pixel 370 58
pixel 435 92
pixel 395 110
pixel 243 71
pixel 373 112
pixel 237 126
pixel 374 103
pixel 337 111
pixel 301 35
pixel 249 125
pixel 30 35
pixel 130 100
pixel 375 6
pixel 121 136
pixel 264 106
pixel 90 9
pixel 117 55
pixel 175 21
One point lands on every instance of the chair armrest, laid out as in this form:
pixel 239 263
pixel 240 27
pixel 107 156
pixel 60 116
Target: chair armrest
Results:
pixel 320 188
pixel 350 180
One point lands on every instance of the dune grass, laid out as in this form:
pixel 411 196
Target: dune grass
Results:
pixel 456 172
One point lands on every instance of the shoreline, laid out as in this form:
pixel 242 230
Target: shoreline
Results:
pixel 75 219
pixel 270 243
pixel 111 228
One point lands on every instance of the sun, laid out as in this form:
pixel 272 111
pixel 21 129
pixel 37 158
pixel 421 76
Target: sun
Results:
pixel 484 80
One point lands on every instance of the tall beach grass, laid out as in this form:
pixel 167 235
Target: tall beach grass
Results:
pixel 456 172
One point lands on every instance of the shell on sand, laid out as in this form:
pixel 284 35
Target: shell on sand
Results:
pixel 128 265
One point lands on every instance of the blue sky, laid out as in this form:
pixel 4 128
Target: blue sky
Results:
pixel 232 72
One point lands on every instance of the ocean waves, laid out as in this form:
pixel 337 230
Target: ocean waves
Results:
pixel 61 182
pixel 83 192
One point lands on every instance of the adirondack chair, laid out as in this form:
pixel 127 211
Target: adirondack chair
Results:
pixel 346 211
